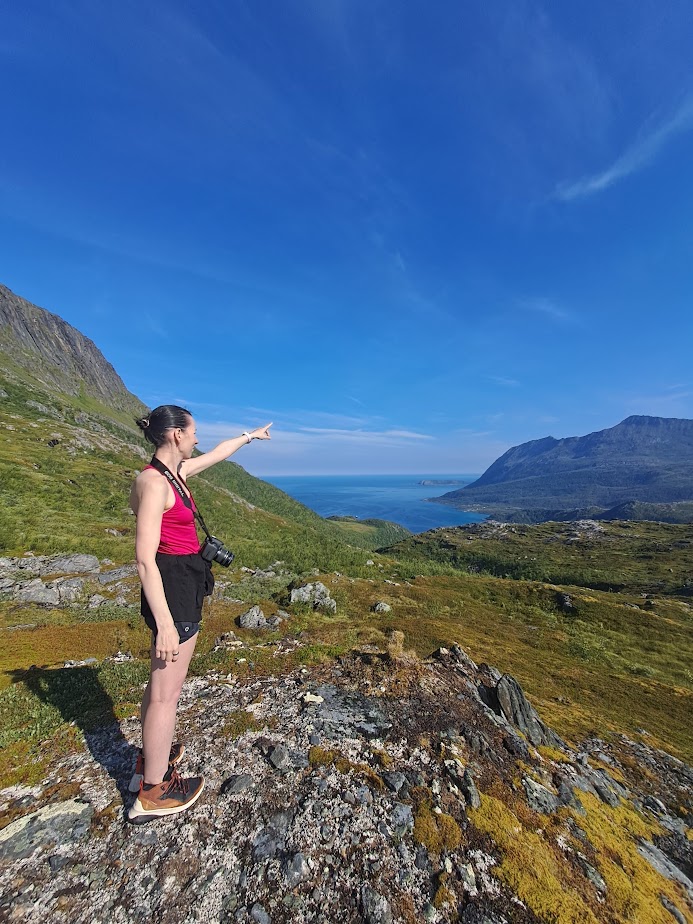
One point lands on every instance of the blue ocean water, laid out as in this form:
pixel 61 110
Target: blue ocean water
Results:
pixel 388 497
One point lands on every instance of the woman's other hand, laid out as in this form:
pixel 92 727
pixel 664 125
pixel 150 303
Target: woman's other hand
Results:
pixel 167 643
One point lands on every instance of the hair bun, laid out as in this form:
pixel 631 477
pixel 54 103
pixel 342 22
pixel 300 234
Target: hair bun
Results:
pixel 143 423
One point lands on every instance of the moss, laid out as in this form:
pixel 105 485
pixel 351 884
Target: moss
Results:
pixel 322 757
pixel 436 831
pixel 633 885
pixel 382 758
pixel 443 895
pixel 239 722
pixel 553 754
pixel 553 890
pixel 530 867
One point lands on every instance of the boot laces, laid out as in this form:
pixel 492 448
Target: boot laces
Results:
pixel 176 783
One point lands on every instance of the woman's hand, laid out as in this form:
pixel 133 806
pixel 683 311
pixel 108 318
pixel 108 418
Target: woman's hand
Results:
pixel 261 433
pixel 167 643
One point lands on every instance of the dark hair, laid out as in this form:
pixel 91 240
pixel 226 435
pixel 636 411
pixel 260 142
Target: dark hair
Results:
pixel 165 417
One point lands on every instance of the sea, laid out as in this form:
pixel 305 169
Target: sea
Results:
pixel 399 498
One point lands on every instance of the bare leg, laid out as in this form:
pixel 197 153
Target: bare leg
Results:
pixel 159 709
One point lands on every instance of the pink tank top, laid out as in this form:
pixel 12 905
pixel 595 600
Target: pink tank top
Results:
pixel 178 533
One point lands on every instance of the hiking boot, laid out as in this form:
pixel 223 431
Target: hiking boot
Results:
pixel 177 751
pixel 174 794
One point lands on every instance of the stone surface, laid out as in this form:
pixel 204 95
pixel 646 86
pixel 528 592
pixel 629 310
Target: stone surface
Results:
pixel 236 784
pixel 70 589
pixel 661 862
pixel 253 618
pixel 37 592
pixel 678 915
pixel 516 709
pixel 376 908
pixel 118 574
pixel 315 593
pixel 301 843
pixel 57 824
pixel 72 564
pixel 539 797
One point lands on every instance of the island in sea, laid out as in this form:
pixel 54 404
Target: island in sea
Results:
pixel 428 482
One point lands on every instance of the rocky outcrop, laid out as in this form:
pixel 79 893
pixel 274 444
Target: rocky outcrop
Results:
pixel 359 791
pixel 23 580
pixel 314 593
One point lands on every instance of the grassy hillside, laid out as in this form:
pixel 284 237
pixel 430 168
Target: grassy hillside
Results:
pixel 373 531
pixel 633 557
pixel 66 466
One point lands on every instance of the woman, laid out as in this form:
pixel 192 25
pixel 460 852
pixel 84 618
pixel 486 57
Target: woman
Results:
pixel 175 580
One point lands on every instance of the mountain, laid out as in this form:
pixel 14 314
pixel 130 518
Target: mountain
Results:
pixel 71 447
pixel 40 347
pixel 641 461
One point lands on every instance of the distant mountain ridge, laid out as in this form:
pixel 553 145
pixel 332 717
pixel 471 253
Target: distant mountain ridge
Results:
pixel 69 361
pixel 641 461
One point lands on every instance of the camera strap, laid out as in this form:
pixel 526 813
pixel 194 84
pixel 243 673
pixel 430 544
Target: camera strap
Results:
pixel 178 488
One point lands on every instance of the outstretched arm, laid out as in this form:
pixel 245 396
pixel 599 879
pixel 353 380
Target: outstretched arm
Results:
pixel 222 451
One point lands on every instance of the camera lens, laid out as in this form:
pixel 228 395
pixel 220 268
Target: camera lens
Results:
pixel 224 557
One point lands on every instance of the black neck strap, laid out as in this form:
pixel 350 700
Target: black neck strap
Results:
pixel 178 488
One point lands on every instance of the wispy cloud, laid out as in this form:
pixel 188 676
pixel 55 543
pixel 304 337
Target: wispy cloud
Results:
pixel 641 153
pixel 548 307
pixel 365 435
pixel 501 380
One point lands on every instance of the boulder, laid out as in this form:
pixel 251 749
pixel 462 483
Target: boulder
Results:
pixel 253 618
pixel 315 593
pixel 70 589
pixel 117 574
pixel 71 564
pixel 539 797
pixel 381 607
pixel 37 592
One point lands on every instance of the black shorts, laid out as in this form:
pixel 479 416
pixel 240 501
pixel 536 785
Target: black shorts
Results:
pixel 187 580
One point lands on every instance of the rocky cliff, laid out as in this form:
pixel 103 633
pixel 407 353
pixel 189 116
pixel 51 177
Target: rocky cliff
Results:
pixel 56 355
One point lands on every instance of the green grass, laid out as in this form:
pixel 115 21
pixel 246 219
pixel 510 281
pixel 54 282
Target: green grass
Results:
pixel 634 557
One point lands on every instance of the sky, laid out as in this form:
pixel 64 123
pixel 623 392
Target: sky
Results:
pixel 412 236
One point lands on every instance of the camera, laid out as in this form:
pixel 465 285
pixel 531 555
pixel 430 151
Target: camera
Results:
pixel 213 549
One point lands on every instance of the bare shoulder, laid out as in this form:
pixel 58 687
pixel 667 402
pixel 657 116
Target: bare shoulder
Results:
pixel 148 483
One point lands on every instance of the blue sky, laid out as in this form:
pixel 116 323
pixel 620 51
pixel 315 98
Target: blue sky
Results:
pixel 413 236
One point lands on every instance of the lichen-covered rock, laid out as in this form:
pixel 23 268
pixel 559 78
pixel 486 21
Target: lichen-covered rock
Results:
pixel 118 574
pixel 60 823
pixel 315 593
pixel 539 797
pixel 71 564
pixel 37 592
pixel 516 709
pixel 376 908
pixel 253 618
